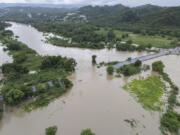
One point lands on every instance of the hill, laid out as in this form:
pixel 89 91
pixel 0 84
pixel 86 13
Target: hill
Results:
pixel 164 17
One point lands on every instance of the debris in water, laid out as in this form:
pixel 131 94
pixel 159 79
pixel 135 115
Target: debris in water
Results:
pixel 80 80
pixel 132 122
pixel 64 102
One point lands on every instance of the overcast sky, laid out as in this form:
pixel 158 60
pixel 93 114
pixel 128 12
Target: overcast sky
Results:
pixel 100 2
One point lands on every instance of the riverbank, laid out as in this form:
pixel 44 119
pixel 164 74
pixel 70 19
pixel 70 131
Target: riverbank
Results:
pixel 30 70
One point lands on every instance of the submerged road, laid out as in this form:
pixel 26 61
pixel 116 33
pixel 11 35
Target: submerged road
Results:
pixel 148 57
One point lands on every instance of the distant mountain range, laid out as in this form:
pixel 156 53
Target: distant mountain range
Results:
pixel 147 15
pixel 5 5
pixel 117 15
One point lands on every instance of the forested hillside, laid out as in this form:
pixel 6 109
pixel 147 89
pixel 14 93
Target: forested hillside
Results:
pixel 88 26
pixel 116 16
pixel 164 17
pixel 119 15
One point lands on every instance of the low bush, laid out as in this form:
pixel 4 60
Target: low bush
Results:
pixel 171 121
pixel 158 66
pixel 110 70
pixel 87 132
pixel 128 70
pixel 51 130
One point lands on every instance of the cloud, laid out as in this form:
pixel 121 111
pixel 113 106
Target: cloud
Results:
pixel 101 2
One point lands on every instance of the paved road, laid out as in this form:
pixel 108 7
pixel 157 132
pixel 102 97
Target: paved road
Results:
pixel 148 57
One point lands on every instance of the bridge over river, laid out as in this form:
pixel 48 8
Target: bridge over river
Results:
pixel 148 57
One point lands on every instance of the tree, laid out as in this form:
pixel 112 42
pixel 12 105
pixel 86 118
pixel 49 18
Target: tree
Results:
pixel 66 82
pixel 19 58
pixel 138 63
pixel 14 68
pixel 14 96
pixel 51 130
pixel 129 42
pixel 158 66
pixel 149 46
pixel 111 35
pixel 110 70
pixel 40 88
pixel 129 59
pixel 58 62
pixel 94 59
pixel 87 132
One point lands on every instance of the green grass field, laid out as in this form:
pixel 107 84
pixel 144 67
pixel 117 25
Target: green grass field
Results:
pixel 155 41
pixel 148 91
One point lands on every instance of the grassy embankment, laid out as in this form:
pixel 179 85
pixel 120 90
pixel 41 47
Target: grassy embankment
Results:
pixel 18 83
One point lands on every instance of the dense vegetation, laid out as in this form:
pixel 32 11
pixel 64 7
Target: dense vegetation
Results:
pixel 126 70
pixel 170 120
pixel 33 75
pixel 158 66
pixel 131 69
pixel 110 70
pixel 133 19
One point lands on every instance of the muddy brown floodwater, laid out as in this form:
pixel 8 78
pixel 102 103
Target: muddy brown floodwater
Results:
pixel 96 100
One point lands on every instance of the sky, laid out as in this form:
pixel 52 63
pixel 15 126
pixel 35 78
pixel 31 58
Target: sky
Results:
pixel 100 2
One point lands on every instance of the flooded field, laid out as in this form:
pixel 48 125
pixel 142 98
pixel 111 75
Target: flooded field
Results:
pixel 96 100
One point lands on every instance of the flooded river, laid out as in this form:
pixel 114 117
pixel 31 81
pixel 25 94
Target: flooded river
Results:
pixel 96 101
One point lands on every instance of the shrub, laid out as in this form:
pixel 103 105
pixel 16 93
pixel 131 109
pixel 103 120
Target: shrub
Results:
pixel 138 63
pixel 47 86
pixel 145 67
pixel 111 35
pixel 58 62
pixel 13 47
pixel 158 66
pixel 14 96
pixel 87 132
pixel 1 112
pixel 171 121
pixel 125 47
pixel 19 58
pixel 110 70
pixel 128 70
pixel 51 130
pixel 94 59
pixel 40 88
pixel 129 42
pixel 67 83
pixel 13 67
